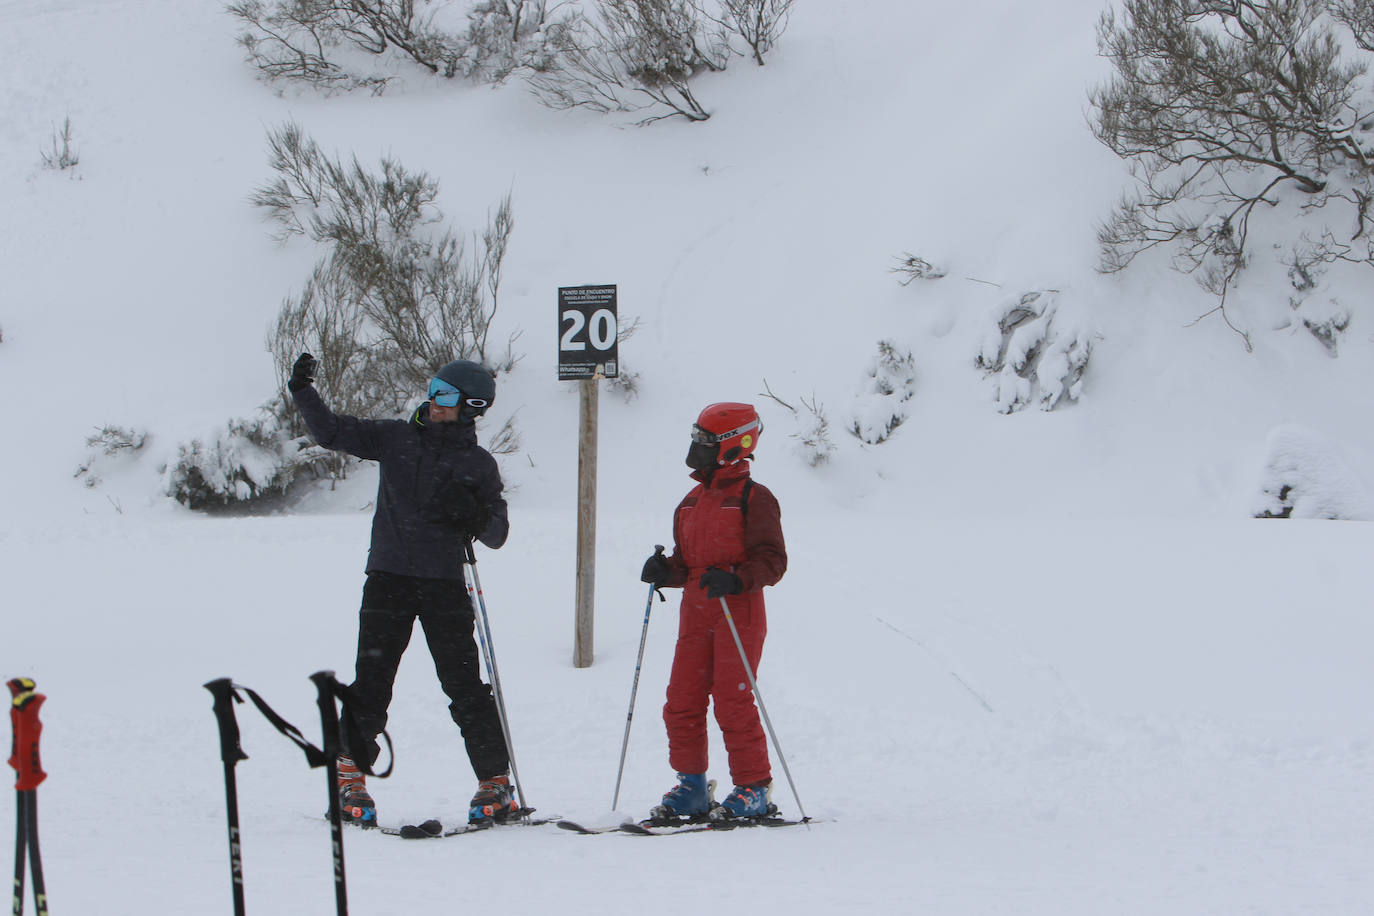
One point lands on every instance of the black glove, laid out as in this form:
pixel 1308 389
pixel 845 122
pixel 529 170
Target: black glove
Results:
pixel 656 569
pixel 303 372
pixel 719 583
pixel 459 508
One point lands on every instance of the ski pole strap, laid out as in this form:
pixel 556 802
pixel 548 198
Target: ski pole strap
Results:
pixel 341 732
pixel 222 689
pixel 362 752
pixel 26 729
pixel 313 755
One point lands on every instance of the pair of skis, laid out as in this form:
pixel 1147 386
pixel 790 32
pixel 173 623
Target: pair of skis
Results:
pixel 24 758
pixel 434 828
pixel 675 826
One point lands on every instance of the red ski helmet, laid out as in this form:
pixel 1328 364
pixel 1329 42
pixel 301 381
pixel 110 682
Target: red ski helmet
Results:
pixel 733 429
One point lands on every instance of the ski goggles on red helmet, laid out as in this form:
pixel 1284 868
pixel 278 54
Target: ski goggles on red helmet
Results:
pixel 706 437
pixel 445 395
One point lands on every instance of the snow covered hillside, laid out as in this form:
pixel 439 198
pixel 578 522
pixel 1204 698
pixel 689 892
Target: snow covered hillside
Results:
pixel 1037 662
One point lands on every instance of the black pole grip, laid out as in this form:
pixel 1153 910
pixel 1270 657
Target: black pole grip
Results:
pixel 222 689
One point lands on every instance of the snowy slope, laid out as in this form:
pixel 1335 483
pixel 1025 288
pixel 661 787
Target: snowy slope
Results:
pixel 1038 663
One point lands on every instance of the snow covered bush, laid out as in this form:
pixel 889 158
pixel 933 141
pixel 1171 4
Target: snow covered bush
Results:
pixel 1222 107
pixel 1304 476
pixel 1030 358
pixel 248 464
pixel 881 406
pixel 109 445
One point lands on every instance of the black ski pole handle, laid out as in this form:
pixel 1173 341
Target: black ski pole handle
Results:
pixel 658 552
pixel 222 689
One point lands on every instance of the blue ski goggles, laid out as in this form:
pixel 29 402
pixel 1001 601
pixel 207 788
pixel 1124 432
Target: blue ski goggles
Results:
pixel 445 395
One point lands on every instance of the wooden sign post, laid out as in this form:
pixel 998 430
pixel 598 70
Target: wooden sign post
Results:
pixel 588 350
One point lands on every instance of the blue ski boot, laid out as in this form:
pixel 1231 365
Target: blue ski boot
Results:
pixel 692 795
pixel 493 802
pixel 355 803
pixel 745 801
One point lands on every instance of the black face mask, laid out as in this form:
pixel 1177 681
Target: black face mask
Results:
pixel 701 457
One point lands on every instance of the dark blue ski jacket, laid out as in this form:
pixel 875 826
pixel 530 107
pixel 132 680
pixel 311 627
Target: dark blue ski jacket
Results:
pixel 423 464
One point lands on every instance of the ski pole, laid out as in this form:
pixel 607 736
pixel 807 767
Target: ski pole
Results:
pixel 489 655
pixel 763 710
pixel 24 758
pixel 643 635
pixel 327 685
pixel 21 844
pixel 21 841
pixel 222 689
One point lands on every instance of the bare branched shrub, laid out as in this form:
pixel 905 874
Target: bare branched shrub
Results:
pixel 635 55
pixel 913 267
pixel 1222 106
pixel 422 297
pixel 626 381
pixel 324 320
pixel 309 41
pixel 60 154
pixel 506 440
pixel 291 40
pixel 760 23
pixel 812 438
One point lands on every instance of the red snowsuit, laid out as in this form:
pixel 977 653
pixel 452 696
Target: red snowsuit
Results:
pixel 711 527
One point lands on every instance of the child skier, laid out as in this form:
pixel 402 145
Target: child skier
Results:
pixel 727 543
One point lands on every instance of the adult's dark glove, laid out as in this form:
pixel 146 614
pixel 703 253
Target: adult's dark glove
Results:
pixel 303 372
pixel 656 569
pixel 459 508
pixel 719 583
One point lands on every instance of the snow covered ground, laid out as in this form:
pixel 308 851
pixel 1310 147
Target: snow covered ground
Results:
pixel 1037 663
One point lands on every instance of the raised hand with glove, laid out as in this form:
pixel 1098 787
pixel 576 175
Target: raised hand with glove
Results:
pixel 303 372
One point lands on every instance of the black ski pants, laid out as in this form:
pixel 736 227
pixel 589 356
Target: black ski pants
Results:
pixel 391 603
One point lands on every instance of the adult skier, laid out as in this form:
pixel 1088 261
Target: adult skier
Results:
pixel 438 488
pixel 727 543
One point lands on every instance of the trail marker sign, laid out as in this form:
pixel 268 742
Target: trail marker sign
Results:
pixel 588 332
